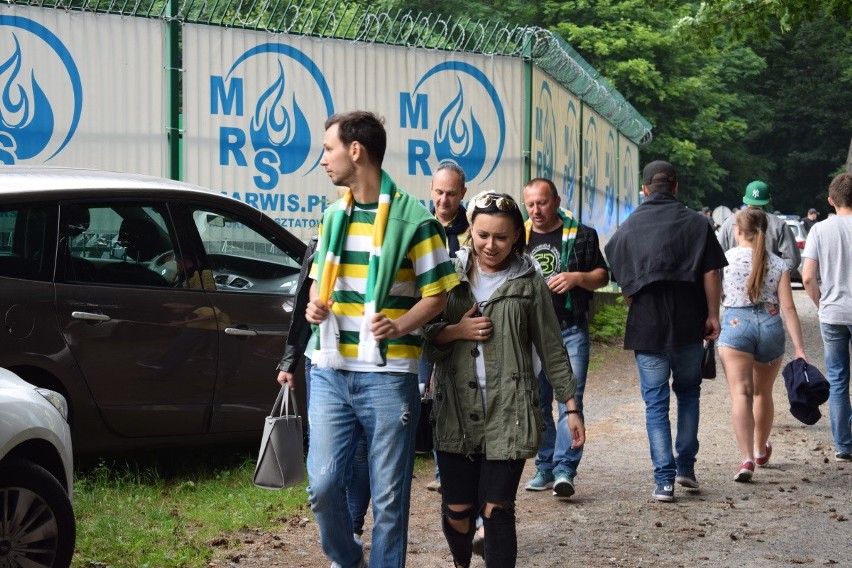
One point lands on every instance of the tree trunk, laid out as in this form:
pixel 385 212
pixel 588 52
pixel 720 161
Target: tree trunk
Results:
pixel 849 159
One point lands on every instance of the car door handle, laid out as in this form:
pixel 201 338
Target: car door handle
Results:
pixel 239 331
pixel 89 316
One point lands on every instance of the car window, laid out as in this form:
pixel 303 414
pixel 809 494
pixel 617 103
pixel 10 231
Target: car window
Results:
pixel 244 257
pixel 27 241
pixel 127 244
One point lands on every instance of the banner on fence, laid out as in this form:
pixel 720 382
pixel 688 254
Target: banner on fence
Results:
pixel 82 89
pixel 555 145
pixel 255 105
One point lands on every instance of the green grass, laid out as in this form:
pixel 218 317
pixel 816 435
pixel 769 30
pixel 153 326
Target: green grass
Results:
pixel 609 322
pixel 172 509
pixel 177 509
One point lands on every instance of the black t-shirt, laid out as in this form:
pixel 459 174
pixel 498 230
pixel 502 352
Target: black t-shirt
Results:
pixel 670 313
pixel 546 249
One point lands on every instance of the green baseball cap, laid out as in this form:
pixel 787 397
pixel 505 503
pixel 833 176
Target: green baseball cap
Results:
pixel 756 193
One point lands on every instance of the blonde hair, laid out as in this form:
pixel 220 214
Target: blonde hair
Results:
pixel 752 223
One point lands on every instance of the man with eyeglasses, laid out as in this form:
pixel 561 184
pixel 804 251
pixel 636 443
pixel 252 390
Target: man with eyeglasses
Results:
pixel 571 261
pixel 667 260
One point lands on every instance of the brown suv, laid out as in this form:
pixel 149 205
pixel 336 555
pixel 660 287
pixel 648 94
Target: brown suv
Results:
pixel 159 310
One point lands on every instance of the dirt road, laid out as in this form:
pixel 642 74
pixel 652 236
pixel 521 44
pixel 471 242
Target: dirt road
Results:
pixel 796 511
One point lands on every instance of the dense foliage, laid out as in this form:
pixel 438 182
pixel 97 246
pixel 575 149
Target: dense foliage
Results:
pixel 736 89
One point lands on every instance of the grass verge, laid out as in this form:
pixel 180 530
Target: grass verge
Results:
pixel 177 509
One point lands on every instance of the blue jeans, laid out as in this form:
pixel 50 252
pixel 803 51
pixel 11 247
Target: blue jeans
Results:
pixel 345 406
pixel 358 487
pixel 836 340
pixel 556 453
pixel 683 364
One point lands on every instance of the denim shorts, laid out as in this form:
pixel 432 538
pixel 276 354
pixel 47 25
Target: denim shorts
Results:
pixel 754 329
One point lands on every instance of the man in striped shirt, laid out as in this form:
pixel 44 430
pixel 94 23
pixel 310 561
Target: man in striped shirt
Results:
pixel 381 271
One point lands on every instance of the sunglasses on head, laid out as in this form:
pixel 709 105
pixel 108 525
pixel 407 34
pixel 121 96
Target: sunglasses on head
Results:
pixel 489 199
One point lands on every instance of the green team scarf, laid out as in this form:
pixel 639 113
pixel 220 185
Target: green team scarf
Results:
pixel 569 235
pixel 397 218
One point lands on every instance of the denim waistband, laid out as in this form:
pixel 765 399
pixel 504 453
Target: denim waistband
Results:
pixel 767 307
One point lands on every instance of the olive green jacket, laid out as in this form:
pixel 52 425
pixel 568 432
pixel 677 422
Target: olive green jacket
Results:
pixel 521 312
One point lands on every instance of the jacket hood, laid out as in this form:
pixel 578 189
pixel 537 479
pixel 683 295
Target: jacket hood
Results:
pixel 518 265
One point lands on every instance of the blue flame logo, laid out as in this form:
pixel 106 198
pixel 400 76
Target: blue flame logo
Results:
pixel 276 130
pixel 590 159
pixel 628 181
pixel 459 136
pixel 569 143
pixel 27 120
pixel 610 174
pixel 546 130
pixel 459 140
pixel 273 131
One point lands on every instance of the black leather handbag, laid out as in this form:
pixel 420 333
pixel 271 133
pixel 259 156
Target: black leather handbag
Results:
pixel 708 361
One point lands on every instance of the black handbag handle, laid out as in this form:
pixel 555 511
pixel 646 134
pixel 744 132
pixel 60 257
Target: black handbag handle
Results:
pixel 282 403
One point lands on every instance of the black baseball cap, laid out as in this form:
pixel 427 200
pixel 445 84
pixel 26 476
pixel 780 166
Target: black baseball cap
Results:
pixel 659 172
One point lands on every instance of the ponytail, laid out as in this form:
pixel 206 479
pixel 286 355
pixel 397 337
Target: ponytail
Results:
pixel 753 223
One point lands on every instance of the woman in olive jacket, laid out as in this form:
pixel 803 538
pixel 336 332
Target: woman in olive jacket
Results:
pixel 486 418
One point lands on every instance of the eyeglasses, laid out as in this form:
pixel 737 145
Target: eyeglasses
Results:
pixel 489 199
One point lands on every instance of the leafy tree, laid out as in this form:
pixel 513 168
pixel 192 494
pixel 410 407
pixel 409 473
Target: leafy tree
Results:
pixel 694 97
pixel 757 18
pixel 805 88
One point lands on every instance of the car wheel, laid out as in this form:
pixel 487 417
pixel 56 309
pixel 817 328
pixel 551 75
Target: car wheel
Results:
pixel 36 517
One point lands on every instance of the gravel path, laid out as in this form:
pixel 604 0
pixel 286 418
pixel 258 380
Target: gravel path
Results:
pixel 796 511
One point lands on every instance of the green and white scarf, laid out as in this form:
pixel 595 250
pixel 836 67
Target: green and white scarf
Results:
pixel 569 235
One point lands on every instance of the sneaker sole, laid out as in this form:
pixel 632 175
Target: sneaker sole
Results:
pixel 663 498
pixel 743 476
pixel 687 482
pixel 563 489
pixel 539 487
pixel 843 459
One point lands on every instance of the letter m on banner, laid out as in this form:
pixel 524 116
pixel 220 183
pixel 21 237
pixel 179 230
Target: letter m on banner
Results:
pixel 413 110
pixel 229 97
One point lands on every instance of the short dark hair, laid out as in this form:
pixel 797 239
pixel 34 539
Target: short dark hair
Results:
pixel 549 183
pixel 840 190
pixel 363 127
pixel 453 167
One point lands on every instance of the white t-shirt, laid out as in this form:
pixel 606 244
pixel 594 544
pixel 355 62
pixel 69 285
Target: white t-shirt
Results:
pixel 830 244
pixel 483 287
pixel 735 294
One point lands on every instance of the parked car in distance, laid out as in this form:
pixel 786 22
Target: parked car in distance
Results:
pixel 801 234
pixel 37 526
pixel 159 310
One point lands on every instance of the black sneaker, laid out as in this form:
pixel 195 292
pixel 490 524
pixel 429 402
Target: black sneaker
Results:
pixel 686 478
pixel 663 492
pixel 843 457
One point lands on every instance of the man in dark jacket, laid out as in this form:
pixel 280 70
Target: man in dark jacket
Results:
pixel 666 259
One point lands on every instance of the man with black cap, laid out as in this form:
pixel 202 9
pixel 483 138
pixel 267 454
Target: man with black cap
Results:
pixel 780 240
pixel 667 260
pixel 811 219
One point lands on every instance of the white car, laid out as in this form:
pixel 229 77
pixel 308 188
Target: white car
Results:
pixel 801 235
pixel 37 526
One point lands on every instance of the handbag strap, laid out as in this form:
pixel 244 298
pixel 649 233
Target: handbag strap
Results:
pixel 282 403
